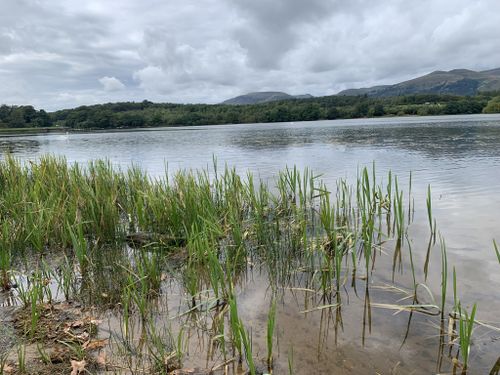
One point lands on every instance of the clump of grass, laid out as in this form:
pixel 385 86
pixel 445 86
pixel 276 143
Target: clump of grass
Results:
pixel 35 295
pixel 21 358
pixel 497 251
pixel 44 355
pixel 66 279
pixel 5 256
pixel 4 368
pixel 80 246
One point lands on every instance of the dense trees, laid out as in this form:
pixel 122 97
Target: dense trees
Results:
pixel 148 114
pixel 22 117
pixel 493 105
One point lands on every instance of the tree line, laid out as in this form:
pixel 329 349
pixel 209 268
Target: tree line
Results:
pixel 148 114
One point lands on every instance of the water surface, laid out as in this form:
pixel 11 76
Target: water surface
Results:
pixel 459 156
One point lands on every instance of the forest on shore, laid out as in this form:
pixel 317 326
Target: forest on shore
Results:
pixel 149 114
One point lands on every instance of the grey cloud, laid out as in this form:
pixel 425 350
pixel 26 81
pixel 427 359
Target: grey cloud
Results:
pixel 6 42
pixel 57 51
pixel 272 28
pixel 63 53
pixel 174 63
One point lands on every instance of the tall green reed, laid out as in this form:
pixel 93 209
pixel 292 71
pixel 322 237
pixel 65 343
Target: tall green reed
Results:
pixel 5 256
pixel 466 325
pixel 271 324
pixel 432 222
pixel 444 276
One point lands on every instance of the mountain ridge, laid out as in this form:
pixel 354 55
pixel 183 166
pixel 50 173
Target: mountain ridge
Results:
pixel 455 82
pixel 259 97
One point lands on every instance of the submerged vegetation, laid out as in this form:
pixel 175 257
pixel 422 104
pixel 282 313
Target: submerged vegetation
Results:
pixel 167 263
pixel 148 114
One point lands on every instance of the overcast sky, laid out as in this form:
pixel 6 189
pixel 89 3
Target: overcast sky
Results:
pixel 64 53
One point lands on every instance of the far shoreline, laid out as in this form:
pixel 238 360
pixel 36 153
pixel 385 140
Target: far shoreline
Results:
pixel 15 132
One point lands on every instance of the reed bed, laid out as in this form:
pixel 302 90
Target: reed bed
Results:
pixel 122 241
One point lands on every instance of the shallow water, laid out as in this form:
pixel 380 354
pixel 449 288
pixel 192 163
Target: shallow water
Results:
pixel 459 156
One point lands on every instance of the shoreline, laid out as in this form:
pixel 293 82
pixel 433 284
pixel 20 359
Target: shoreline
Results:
pixel 13 132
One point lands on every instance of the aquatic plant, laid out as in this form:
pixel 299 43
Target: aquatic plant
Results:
pixel 271 323
pixel 444 276
pixel 235 328
pixel 432 222
pixel 5 256
pixel 466 325
pixel 66 279
pixel 122 239
pixel 247 344
pixel 80 246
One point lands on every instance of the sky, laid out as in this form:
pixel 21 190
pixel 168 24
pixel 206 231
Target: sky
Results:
pixel 64 53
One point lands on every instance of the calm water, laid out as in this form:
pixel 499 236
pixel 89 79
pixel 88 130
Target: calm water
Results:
pixel 458 156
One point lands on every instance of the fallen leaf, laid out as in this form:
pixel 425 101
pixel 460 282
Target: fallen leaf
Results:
pixel 95 344
pixel 58 354
pixel 7 369
pixel 191 371
pixel 84 336
pixel 183 371
pixel 101 358
pixel 77 366
pixel 76 324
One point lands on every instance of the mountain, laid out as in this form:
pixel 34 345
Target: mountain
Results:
pixel 456 82
pixel 263 97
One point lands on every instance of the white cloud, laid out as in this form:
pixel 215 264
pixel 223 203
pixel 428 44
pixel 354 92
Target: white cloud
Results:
pixel 111 84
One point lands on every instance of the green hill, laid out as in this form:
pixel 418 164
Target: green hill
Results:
pixel 454 82
pixel 263 97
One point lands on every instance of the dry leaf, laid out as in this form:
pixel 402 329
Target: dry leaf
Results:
pixel 101 359
pixel 76 324
pixel 95 344
pixel 191 371
pixel 77 366
pixel 58 354
pixel 84 336
pixel 183 371
pixel 7 369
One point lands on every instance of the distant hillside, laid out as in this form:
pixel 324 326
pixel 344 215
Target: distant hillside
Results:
pixel 454 82
pixel 263 97
pixel 277 107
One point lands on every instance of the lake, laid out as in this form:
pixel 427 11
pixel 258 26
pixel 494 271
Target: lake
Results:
pixel 458 156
